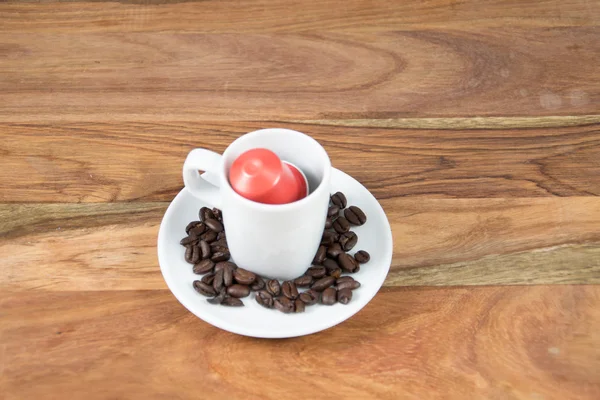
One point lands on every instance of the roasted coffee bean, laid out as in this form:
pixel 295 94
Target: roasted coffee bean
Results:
pixel 283 304
pixel 219 298
pixel 347 262
pixel 218 283
pixel 214 225
pixel 225 264
pixel 328 223
pixel 228 276
pixel 205 251
pixel 189 240
pixel 204 289
pixel 218 214
pixel 323 283
pixel 209 236
pixel 289 290
pixel 205 213
pixel 216 249
pixel 259 284
pixel 348 240
pixel 330 264
pixel 298 306
pixel 264 298
pixel 221 235
pixel 333 211
pixel 329 296
pixel 189 251
pixel 244 276
pixel 219 243
pixel 191 225
pixel 198 230
pixel 316 271
pixel 232 302
pixel 344 296
pixel 339 200
pixel 362 256
pixel 320 256
pixel 208 278
pixel 303 281
pixel 273 287
pixel 328 238
pixel 334 250
pixel 309 297
pixel 347 282
pixel 355 215
pixel 203 267
pixel 336 273
pixel 238 290
pixel 220 255
pixel 341 225
pixel 195 254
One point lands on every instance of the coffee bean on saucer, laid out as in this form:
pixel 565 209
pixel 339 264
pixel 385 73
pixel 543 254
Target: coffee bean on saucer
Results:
pixel 347 282
pixel 191 225
pixel 273 287
pixel 303 281
pixel 339 200
pixel 220 255
pixel 228 276
pixel 298 306
pixel 189 240
pixel 347 263
pixel 355 215
pixel 218 299
pixel 283 304
pixel 209 236
pixel 244 276
pixel 214 225
pixel 316 271
pixel 341 225
pixel 218 214
pixel 321 255
pixel 362 256
pixel 219 243
pixel 238 290
pixel 204 289
pixel 289 290
pixel 221 235
pixel 344 296
pixel 232 302
pixel 328 238
pixel 205 250
pixel 323 283
pixel 334 250
pixel 225 264
pixel 329 296
pixel 218 282
pixel 265 299
pixel 330 264
pixel 208 278
pixel 258 284
pixel 195 254
pixel 309 297
pixel 348 240
pixel 328 223
pixel 189 251
pixel 333 211
pixel 203 267
pixel 205 213
pixel 336 273
pixel 198 230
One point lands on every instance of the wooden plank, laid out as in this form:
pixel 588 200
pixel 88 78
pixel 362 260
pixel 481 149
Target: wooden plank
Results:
pixel 123 161
pixel 539 342
pixel 287 16
pixel 58 247
pixel 317 75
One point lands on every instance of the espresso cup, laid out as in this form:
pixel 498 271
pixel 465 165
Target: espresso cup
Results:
pixel 273 240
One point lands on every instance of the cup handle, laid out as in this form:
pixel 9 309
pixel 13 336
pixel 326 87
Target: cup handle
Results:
pixel 205 186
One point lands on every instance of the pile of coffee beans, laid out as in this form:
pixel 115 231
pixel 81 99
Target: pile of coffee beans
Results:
pixel 225 283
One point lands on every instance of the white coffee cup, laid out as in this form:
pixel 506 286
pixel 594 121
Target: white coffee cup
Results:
pixel 272 240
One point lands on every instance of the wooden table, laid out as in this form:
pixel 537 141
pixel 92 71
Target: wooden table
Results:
pixel 476 125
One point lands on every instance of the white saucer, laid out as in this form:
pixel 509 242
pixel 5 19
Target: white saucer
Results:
pixel 253 320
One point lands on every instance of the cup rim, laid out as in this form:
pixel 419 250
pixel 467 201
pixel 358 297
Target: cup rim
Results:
pixel 277 207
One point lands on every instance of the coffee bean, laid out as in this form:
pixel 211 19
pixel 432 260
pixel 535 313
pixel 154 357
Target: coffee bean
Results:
pixel 309 297
pixel 209 236
pixel 220 256
pixel 316 271
pixel 195 254
pixel 238 290
pixel 189 251
pixel 347 262
pixel 191 225
pixel 333 211
pixel 328 238
pixel 289 290
pixel 218 283
pixel 259 284
pixel 205 213
pixel 334 250
pixel 298 306
pixel 219 298
pixel 232 302
pixel 225 264
pixel 189 240
pixel 320 256
pixel 203 267
pixel 347 282
pixel 344 296
pixel 273 287
pixel 219 243
pixel 208 278
pixel 243 276
pixel 355 215
pixel 348 240
pixel 217 249
pixel 204 289
pixel 214 225
pixel 303 281
pixel 264 298
pixel 228 276
pixel 336 273
pixel 221 235
pixel 362 256
pixel 330 264
pixel 341 225
pixel 218 214
pixel 204 249
pixel 329 296
pixel 339 200
pixel 323 283
pixel 283 304
pixel 198 230
pixel 328 223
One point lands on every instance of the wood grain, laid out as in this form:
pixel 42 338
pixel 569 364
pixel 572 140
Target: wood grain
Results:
pixel 62 247
pixel 124 161
pixel 316 75
pixel 535 342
